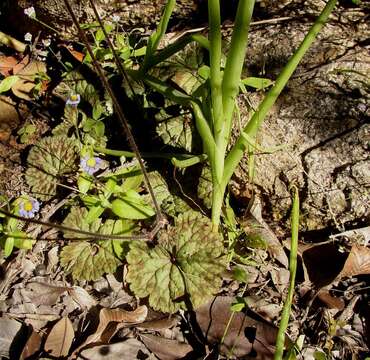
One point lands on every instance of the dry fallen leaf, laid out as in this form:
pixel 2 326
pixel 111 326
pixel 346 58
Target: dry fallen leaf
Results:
pixel 8 330
pixel 280 278
pixel 160 322
pixel 79 56
pixel 60 338
pixel 82 297
pixel 330 301
pixel 32 346
pixel 165 349
pixel 119 316
pixel 255 227
pixel 43 293
pixel 7 64
pixel 248 333
pixel 357 263
pixel 9 113
pixel 26 72
pixel 126 350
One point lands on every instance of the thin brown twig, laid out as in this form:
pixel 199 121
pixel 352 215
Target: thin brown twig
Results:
pixel 148 236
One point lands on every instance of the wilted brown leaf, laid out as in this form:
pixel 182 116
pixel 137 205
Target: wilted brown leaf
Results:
pixel 32 346
pixel 119 316
pixel 248 333
pixel 165 349
pixel 322 263
pixel 43 293
pixel 8 330
pixel 8 112
pixel 357 263
pixel 160 322
pixel 256 228
pixel 330 301
pixel 126 350
pixel 7 64
pixel 60 338
pixel 82 297
pixel 79 56
pixel 22 88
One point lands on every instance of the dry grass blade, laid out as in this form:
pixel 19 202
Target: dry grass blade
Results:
pixel 60 338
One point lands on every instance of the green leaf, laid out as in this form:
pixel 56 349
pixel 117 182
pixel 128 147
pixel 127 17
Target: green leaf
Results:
pixel 99 36
pixel 88 260
pixel 204 72
pixel 187 261
pixel 319 355
pixel 257 83
pixel 8 246
pixel 94 213
pixel 177 132
pixel 84 183
pixel 25 132
pixel 49 161
pixel 240 274
pixel 139 52
pixel 132 206
pixel 238 306
pixel 7 83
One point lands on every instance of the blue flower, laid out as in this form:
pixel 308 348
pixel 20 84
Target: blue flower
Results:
pixel 28 207
pixel 73 100
pixel 91 164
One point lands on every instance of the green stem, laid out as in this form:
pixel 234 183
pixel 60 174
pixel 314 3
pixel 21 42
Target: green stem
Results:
pixel 255 122
pixel 156 37
pixel 215 65
pixel 193 159
pixel 280 339
pixel 235 62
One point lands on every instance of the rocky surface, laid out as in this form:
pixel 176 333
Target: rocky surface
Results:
pixel 322 118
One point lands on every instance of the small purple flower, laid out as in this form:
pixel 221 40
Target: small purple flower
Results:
pixel 91 164
pixel 73 100
pixel 28 207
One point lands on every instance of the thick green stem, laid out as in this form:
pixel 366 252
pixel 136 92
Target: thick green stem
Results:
pixel 255 122
pixel 224 90
pixel 235 62
pixel 215 64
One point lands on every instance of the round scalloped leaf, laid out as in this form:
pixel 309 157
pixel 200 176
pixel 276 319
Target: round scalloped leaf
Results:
pixel 48 161
pixel 90 260
pixel 177 132
pixel 205 186
pixel 187 262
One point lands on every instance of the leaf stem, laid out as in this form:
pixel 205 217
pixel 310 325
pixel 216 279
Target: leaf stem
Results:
pixel 280 339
